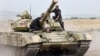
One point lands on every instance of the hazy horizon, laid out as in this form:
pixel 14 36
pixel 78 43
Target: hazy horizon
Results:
pixel 38 6
pixel 68 7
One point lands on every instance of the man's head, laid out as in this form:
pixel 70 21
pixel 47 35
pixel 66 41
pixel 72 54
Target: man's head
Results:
pixel 42 14
pixel 57 6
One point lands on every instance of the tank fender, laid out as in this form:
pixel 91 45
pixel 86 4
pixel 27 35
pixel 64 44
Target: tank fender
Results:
pixel 31 39
pixel 82 36
pixel 88 36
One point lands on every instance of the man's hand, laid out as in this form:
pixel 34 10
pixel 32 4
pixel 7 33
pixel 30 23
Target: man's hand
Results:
pixel 57 18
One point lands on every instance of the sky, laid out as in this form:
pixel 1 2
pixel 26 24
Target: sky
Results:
pixel 68 7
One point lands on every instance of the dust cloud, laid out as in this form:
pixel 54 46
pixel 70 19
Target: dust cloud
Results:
pixel 94 49
pixel 7 51
pixel 11 51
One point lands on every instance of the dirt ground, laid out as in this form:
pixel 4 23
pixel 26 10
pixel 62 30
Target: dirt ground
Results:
pixel 70 25
pixel 94 49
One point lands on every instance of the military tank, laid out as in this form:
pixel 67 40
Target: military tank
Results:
pixel 57 42
pixel 23 23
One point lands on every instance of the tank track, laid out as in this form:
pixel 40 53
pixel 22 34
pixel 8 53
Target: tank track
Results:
pixel 81 49
pixel 32 50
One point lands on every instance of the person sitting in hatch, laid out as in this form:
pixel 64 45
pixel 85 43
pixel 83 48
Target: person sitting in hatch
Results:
pixel 35 24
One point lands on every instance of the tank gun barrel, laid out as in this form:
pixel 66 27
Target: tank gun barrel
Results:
pixel 48 11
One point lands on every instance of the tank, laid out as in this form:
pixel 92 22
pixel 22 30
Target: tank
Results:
pixel 23 23
pixel 57 42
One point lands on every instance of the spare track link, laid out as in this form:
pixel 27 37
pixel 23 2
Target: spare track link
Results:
pixel 32 50
pixel 83 47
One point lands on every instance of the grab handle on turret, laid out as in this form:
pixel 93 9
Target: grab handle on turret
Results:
pixel 48 11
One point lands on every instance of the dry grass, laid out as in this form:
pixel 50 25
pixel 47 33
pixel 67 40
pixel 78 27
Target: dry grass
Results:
pixel 82 24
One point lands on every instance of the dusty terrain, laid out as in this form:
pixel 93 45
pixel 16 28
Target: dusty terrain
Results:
pixel 82 24
pixel 90 26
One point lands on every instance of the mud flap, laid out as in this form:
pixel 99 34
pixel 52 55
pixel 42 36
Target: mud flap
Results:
pixel 83 47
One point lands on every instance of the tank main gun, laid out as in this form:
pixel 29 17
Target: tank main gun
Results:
pixel 47 13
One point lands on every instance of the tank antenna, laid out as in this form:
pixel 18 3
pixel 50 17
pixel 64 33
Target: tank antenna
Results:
pixel 30 8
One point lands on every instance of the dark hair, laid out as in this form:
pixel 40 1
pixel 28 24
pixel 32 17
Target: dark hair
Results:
pixel 57 5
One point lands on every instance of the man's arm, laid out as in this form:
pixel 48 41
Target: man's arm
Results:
pixel 53 10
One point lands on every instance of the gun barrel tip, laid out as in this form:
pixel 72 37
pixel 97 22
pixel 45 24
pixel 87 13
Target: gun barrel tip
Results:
pixel 55 0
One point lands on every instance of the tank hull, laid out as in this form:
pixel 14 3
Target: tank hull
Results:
pixel 29 44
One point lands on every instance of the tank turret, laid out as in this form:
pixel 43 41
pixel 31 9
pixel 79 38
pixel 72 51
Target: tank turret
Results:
pixel 25 15
pixel 23 23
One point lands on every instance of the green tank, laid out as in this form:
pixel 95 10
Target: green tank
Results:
pixel 23 23
pixel 56 42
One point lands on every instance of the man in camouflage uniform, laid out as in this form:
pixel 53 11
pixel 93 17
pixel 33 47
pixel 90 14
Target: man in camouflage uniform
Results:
pixel 58 16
